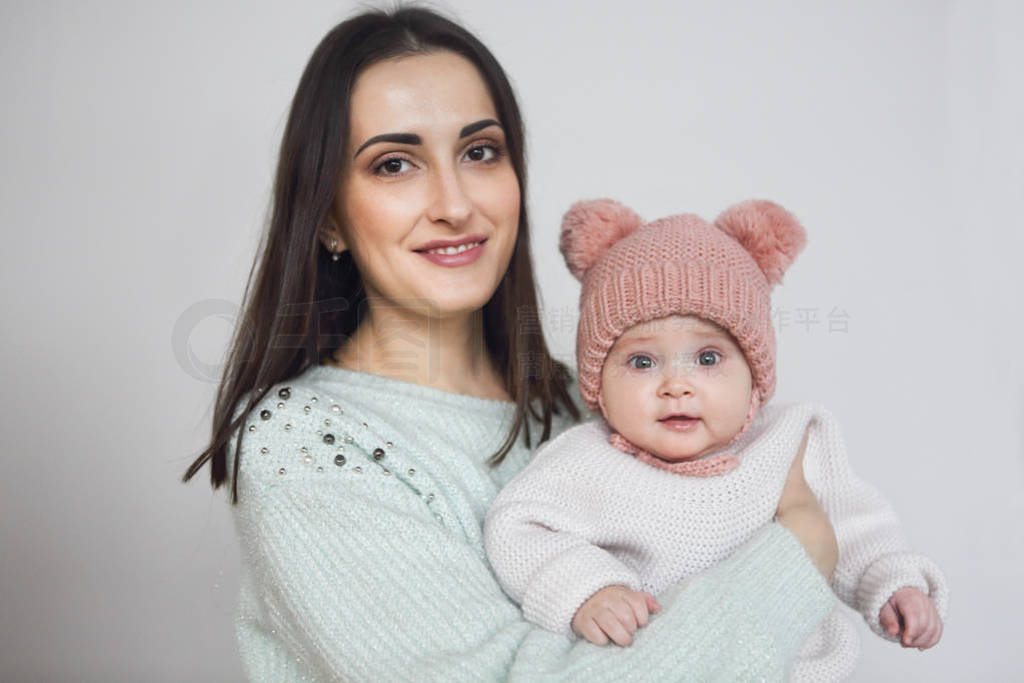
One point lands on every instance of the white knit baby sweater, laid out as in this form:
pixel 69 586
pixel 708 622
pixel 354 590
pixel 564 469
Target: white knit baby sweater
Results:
pixel 585 515
pixel 361 504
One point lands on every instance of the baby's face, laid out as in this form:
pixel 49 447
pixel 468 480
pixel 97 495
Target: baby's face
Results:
pixel 677 387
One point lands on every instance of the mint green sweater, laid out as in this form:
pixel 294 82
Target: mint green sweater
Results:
pixel 361 504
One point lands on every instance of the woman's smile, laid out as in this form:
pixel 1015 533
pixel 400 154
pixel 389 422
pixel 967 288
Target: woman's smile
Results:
pixel 453 253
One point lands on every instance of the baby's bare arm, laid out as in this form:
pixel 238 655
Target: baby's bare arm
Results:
pixel 801 513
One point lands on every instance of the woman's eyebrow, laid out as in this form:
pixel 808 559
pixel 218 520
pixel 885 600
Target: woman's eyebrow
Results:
pixel 413 139
pixel 400 138
pixel 479 125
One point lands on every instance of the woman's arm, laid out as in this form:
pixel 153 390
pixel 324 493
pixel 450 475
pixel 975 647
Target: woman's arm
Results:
pixel 358 581
pixel 745 619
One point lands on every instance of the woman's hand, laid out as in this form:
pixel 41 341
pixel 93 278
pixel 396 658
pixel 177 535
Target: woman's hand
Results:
pixel 801 513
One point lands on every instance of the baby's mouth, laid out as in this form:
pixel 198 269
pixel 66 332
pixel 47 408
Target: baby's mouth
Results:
pixel 677 416
pixel 679 421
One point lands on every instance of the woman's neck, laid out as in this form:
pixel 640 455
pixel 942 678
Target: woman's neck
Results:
pixel 445 353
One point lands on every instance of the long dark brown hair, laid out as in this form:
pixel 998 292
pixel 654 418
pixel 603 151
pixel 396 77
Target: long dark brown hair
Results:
pixel 301 305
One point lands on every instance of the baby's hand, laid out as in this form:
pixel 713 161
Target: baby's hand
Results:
pixel 912 612
pixel 614 612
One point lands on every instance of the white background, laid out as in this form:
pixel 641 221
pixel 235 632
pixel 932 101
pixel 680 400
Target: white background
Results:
pixel 138 146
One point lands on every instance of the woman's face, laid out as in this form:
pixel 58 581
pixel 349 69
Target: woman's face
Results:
pixel 428 202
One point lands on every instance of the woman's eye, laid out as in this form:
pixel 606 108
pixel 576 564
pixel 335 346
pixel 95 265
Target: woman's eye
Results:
pixel 641 362
pixel 481 153
pixel 707 358
pixel 392 166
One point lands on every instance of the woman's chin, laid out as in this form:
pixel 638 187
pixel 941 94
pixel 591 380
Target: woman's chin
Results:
pixel 454 304
pixel 449 296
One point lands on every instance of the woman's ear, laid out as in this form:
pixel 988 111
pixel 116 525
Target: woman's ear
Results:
pixel 332 240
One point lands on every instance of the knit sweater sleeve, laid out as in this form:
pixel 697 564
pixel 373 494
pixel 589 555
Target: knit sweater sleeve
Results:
pixel 541 537
pixel 873 559
pixel 357 580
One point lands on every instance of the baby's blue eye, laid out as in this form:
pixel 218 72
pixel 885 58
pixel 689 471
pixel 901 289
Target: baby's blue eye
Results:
pixel 641 362
pixel 708 358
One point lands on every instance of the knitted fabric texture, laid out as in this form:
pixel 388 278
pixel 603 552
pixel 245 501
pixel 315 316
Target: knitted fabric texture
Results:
pixel 711 466
pixel 371 567
pixel 583 516
pixel 679 265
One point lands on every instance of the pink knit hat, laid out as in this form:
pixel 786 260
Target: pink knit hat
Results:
pixel 634 272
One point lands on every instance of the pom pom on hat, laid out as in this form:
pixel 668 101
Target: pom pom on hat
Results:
pixel 590 227
pixel 771 235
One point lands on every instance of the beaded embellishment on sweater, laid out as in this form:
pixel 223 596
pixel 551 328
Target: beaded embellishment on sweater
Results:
pixel 332 442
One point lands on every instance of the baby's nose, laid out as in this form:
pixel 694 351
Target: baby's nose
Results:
pixel 676 382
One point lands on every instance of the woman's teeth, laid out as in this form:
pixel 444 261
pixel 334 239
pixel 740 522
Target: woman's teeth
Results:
pixel 453 250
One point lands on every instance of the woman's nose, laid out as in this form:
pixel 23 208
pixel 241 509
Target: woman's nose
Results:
pixel 449 202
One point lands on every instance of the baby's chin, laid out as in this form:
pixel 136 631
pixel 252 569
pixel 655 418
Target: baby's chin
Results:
pixel 678 456
pixel 684 455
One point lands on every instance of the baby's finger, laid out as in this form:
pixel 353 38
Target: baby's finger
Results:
pixel 916 637
pixel 614 629
pixel 938 634
pixel 623 611
pixel 652 605
pixel 639 606
pixel 913 625
pixel 934 632
pixel 927 637
pixel 890 622
pixel 592 632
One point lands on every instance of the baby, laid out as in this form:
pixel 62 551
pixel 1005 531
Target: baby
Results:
pixel 675 349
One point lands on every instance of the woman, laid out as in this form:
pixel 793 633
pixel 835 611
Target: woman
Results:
pixel 389 345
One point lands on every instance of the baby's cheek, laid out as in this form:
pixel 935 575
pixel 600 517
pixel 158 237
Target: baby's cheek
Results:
pixel 617 402
pixel 620 415
pixel 740 408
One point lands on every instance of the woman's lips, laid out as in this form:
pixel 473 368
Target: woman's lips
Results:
pixel 680 423
pixel 464 254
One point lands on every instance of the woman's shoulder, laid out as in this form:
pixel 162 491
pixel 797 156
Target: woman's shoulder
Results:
pixel 291 409
pixel 298 434
pixel 585 433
